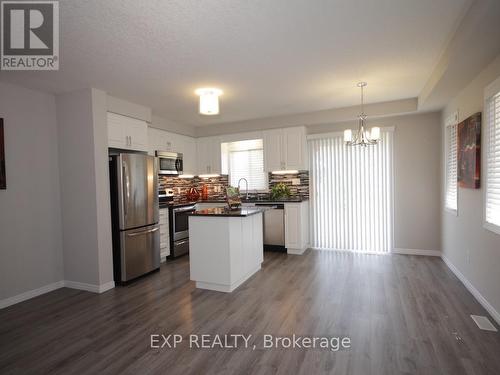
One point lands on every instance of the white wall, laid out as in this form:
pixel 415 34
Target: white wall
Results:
pixel 473 250
pixel 30 212
pixel 171 126
pixel 85 188
pixel 417 140
pixel 335 115
pixel 126 108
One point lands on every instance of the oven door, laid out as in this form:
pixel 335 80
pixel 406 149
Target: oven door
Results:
pixel 181 222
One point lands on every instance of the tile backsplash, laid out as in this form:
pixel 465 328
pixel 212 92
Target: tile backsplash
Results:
pixel 217 185
pixel 301 190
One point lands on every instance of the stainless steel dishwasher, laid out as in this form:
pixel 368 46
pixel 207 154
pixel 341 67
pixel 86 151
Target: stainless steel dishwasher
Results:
pixel 274 226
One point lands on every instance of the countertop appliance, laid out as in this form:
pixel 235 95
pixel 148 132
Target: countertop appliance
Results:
pixel 134 215
pixel 169 162
pixel 274 226
pixel 179 229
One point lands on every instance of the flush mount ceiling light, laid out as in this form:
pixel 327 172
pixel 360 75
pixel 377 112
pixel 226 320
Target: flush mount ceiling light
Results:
pixel 209 100
pixel 362 137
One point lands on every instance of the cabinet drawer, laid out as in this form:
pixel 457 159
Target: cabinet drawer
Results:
pixel 164 238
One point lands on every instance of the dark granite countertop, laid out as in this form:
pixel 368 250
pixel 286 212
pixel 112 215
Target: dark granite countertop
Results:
pixel 218 201
pixel 225 212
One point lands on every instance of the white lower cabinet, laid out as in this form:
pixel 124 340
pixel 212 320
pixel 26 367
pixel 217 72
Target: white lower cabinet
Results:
pixel 164 236
pixel 296 227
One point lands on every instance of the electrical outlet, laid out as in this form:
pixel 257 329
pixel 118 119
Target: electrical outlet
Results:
pixel 295 181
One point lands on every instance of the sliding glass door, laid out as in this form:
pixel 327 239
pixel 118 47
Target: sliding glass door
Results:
pixel 351 194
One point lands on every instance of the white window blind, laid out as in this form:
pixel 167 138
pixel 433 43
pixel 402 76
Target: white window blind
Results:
pixel 351 195
pixel 451 167
pixel 246 160
pixel 492 209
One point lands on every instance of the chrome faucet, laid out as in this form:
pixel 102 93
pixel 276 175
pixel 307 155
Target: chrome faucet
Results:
pixel 246 189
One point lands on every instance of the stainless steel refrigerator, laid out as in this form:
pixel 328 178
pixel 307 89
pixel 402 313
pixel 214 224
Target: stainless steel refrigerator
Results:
pixel 135 217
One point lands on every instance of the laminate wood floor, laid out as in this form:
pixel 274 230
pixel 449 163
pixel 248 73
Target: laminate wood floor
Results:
pixel 403 314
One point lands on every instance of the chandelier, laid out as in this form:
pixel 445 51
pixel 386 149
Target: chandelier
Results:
pixel 363 137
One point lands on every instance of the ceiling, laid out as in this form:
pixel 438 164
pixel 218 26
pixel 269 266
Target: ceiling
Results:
pixel 270 57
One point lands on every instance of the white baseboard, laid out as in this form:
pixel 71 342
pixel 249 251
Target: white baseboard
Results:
pixel 478 296
pixel 51 287
pixel 107 286
pixel 89 287
pixel 431 253
pixel 30 294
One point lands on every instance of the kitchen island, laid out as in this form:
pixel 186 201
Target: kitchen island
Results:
pixel 225 246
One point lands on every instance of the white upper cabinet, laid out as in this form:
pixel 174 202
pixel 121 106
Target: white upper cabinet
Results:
pixel 294 148
pixel 127 133
pixel 285 149
pixel 273 150
pixel 208 155
pixel 189 156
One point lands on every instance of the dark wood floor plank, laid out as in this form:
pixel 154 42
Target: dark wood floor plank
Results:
pixel 404 315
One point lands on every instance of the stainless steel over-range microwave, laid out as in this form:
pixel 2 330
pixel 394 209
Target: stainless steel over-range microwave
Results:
pixel 169 162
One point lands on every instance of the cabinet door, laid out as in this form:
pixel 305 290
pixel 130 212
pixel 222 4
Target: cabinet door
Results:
pixel 174 143
pixel 293 226
pixel 208 155
pixel 154 140
pixel 189 156
pixel 138 132
pixel 273 150
pixel 203 155
pixel 294 144
pixel 127 133
pixel 164 233
pixel 215 155
pixel 117 134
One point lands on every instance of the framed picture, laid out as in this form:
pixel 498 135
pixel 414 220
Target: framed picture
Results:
pixel 469 152
pixel 3 182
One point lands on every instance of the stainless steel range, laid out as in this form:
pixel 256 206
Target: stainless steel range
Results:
pixel 179 229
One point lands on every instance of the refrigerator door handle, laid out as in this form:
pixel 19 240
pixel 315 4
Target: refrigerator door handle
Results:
pixel 143 232
pixel 126 188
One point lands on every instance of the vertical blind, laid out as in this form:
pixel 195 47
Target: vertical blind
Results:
pixel 493 160
pixel 451 167
pixel 351 194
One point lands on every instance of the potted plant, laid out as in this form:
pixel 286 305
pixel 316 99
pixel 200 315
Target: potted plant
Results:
pixel 280 191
